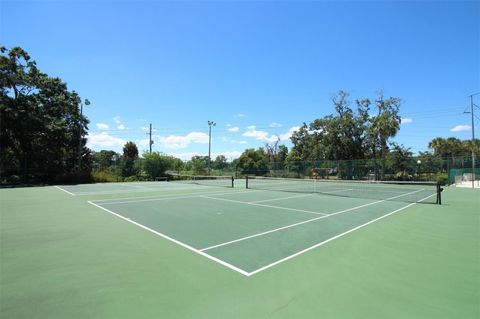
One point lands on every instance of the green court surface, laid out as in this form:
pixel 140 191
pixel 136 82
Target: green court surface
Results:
pixel 171 250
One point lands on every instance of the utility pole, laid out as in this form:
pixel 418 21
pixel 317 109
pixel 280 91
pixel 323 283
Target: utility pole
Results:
pixel 473 137
pixel 151 142
pixel 210 123
pixel 87 102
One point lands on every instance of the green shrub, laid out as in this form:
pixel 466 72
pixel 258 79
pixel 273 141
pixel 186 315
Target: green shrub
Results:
pixel 132 178
pixel 73 178
pixel 103 177
pixel 442 178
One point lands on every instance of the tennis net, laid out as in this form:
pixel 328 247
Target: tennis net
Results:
pixel 423 192
pixel 218 181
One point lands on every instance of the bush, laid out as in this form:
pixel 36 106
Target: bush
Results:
pixel 73 178
pixel 132 178
pixel 103 177
pixel 442 178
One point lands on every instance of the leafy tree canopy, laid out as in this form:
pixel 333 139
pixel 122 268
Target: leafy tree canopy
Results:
pixel 349 133
pixel 41 124
pixel 130 155
pixel 253 161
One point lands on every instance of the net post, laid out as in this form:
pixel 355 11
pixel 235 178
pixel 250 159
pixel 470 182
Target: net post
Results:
pixel 246 181
pixel 233 182
pixel 439 194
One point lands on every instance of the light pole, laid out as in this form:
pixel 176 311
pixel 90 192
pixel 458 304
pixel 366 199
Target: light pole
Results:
pixel 210 124
pixel 419 162
pixel 473 137
pixel 87 102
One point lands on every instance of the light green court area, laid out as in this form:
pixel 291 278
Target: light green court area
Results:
pixel 62 257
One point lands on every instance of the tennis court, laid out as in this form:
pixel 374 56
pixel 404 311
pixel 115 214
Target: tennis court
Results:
pixel 252 229
pixel 184 250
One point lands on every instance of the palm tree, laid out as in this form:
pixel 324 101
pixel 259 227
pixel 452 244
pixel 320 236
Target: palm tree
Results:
pixel 454 147
pixel 438 145
pixel 386 124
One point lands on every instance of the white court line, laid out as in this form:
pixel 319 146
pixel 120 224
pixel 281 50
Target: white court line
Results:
pixel 64 190
pixel 299 223
pixel 158 198
pixel 279 198
pixel 338 191
pixel 243 272
pixel 333 238
pixel 262 205
pixel 163 195
pixel 136 189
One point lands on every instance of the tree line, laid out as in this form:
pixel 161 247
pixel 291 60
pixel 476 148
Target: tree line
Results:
pixel 43 139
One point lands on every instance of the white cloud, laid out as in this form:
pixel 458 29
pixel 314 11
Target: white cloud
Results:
pixel 121 127
pixel 102 126
pixel 144 142
pixel 233 129
pixel 178 141
pixel 286 136
pixel 238 142
pixel 460 128
pixel 230 155
pixel 241 115
pixel 258 135
pixel 103 140
pixel 117 119
pixel 266 137
pixel 406 120
pixel 275 125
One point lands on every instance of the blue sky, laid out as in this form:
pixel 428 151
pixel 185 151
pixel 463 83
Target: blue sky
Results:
pixel 258 69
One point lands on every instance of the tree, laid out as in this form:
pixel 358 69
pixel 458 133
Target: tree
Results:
pixel 429 163
pixel 156 164
pixel 130 155
pixel 220 162
pixel 439 146
pixel 387 122
pixel 339 136
pixel 294 163
pixel 453 147
pixel 281 156
pixel 401 161
pixel 253 162
pixel 41 122
pixel 199 164
pixel 104 159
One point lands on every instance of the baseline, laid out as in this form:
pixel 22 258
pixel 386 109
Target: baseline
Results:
pixel 64 190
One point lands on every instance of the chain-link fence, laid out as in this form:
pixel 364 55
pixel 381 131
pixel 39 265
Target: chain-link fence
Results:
pixel 419 168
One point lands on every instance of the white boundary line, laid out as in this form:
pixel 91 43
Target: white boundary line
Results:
pixel 164 197
pixel 136 189
pixel 262 205
pixel 243 272
pixel 333 238
pixel 297 224
pixel 64 190
pixel 280 198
